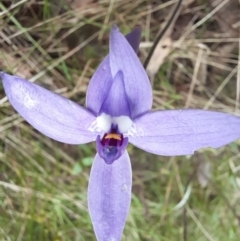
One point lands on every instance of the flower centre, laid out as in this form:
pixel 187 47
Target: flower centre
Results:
pixel 112 139
pixel 105 122
pixel 112 145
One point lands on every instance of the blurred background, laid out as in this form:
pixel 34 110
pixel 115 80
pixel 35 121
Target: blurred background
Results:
pixel 196 64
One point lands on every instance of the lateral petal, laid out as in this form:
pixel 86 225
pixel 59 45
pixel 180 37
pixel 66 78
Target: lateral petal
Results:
pixel 109 196
pixel 53 115
pixel 99 87
pixel 181 132
pixel 101 80
pixel 137 84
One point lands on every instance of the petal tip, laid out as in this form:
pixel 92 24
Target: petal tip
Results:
pixel 115 27
pixel 137 28
pixel 114 31
pixel 2 74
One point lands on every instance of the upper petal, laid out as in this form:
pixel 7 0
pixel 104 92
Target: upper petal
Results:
pixel 101 81
pixel 137 84
pixel 109 197
pixel 181 132
pixel 51 114
pixel 134 38
pixel 116 102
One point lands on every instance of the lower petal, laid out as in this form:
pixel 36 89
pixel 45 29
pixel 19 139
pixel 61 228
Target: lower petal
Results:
pixel 181 132
pixel 109 197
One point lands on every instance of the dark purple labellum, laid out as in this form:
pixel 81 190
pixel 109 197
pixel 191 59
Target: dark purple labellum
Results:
pixel 112 146
pixel 112 139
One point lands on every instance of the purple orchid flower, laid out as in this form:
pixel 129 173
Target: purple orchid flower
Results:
pixel 118 111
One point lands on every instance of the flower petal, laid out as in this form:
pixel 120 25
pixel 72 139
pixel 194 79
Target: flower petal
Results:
pixel 181 132
pixel 137 84
pixel 116 103
pixel 134 38
pixel 109 197
pixel 51 114
pixel 99 87
pixel 101 81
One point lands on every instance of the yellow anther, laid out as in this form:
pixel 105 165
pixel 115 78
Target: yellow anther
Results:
pixel 113 135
